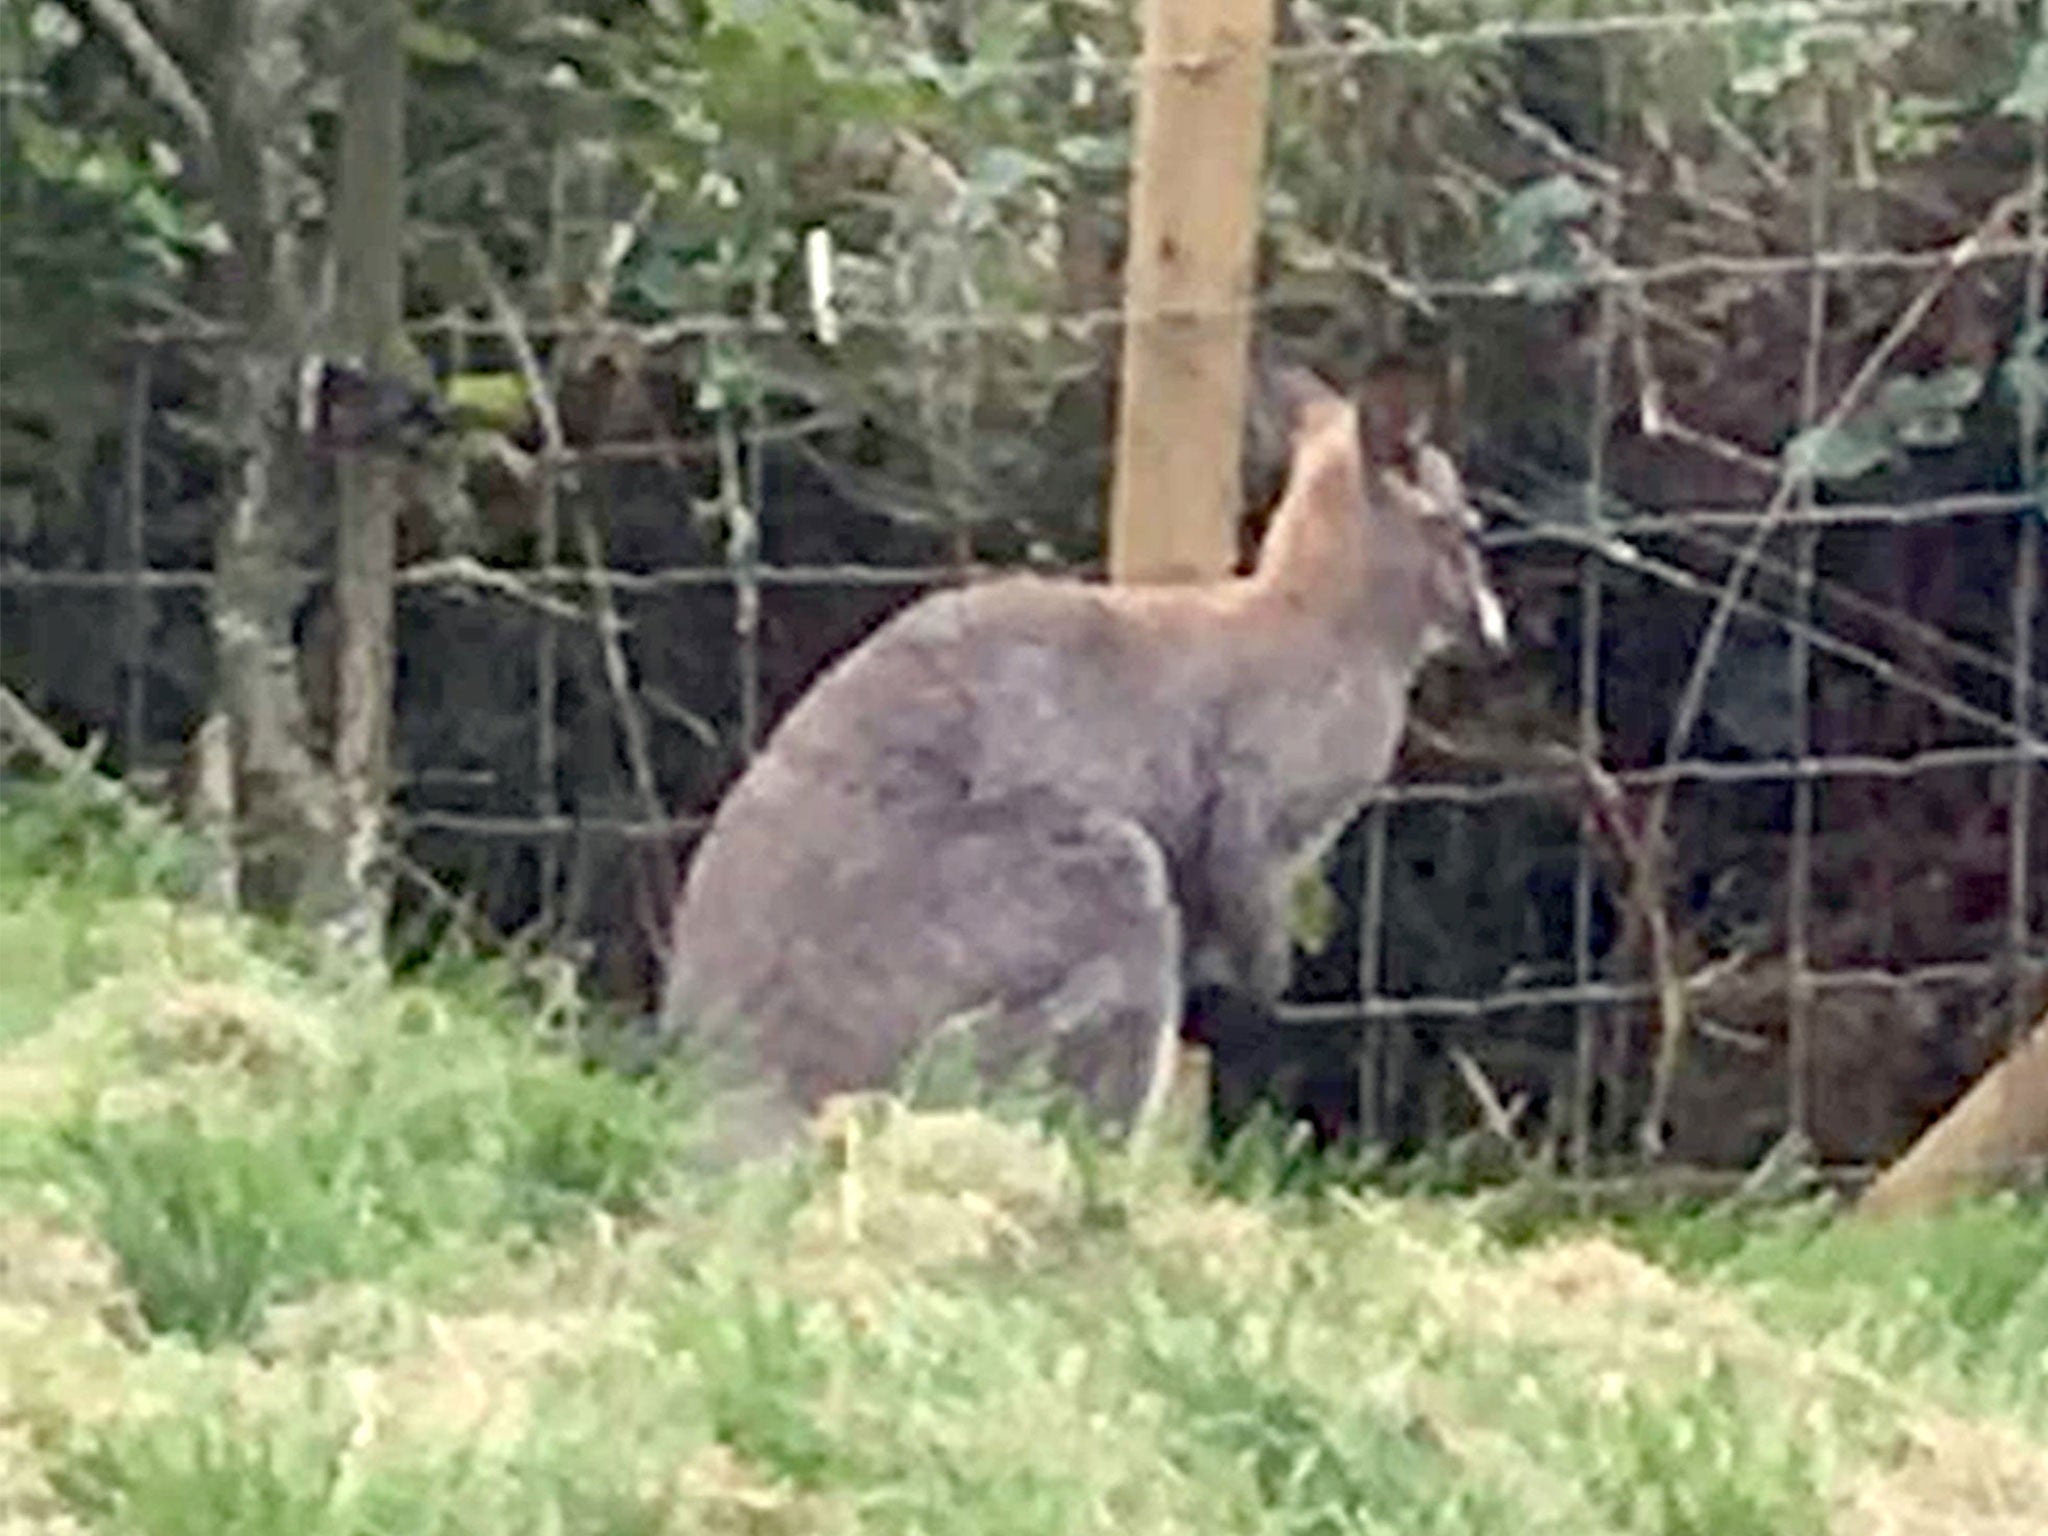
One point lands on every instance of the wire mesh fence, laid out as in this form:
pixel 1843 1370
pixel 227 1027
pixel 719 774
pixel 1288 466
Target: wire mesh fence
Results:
pixel 1765 782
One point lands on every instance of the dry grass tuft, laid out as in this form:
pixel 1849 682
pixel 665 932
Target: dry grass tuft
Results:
pixel 236 1027
pixel 914 1191
pixel 1953 1477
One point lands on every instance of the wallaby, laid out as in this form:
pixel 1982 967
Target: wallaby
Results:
pixel 1042 809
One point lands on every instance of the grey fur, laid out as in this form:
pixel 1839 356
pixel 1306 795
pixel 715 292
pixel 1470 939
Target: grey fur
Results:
pixel 1050 805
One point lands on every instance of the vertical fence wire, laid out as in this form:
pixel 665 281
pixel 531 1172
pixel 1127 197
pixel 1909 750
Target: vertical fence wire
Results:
pixel 738 478
pixel 16 89
pixel 2025 604
pixel 2025 598
pixel 1592 595
pixel 136 616
pixel 548 540
pixel 458 367
pixel 1377 1066
pixel 752 704
pixel 1799 874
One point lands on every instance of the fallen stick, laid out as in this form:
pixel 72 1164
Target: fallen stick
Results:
pixel 39 739
pixel 1994 1134
pixel 35 738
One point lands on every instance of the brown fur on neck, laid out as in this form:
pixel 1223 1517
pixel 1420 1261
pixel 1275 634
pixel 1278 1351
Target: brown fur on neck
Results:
pixel 1316 558
pixel 1318 545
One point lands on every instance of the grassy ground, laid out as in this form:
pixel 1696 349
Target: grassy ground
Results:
pixel 282 1251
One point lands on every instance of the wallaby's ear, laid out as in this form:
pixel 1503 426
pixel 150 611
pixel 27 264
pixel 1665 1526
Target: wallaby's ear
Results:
pixel 1283 393
pixel 1284 402
pixel 1395 413
pixel 1298 389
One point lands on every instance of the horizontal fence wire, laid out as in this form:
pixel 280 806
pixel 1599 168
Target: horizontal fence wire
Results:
pixel 1086 324
pixel 1935 509
pixel 1443 1011
pixel 1423 792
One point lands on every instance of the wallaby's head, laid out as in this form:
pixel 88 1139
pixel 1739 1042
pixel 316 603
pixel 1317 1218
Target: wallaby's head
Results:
pixel 1368 481
pixel 1420 515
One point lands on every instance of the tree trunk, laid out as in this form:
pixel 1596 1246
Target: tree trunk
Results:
pixel 292 825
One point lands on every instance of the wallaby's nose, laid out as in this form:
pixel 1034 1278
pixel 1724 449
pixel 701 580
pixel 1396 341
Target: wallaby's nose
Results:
pixel 1489 616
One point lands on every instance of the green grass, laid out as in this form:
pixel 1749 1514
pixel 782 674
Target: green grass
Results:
pixel 229 1192
pixel 1957 1301
pixel 286 1251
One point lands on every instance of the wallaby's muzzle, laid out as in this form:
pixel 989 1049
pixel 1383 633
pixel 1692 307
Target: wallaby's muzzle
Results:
pixel 1489 613
pixel 1469 609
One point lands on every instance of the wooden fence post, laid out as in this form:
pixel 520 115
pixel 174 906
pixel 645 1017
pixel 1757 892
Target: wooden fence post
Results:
pixel 1198 158
pixel 1197 163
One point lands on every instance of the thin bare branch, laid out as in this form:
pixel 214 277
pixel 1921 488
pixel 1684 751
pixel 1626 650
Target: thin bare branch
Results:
pixel 617 667
pixel 1796 474
pixel 40 740
pixel 467 570
pixel 153 62
pixel 1882 668
pixel 1645 859
pixel 1691 530
pixel 1500 1118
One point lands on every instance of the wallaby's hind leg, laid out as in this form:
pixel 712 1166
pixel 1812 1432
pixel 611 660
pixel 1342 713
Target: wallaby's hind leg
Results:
pixel 1046 931
pixel 1056 927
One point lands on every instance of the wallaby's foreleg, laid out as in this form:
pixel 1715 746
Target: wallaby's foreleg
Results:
pixel 1238 935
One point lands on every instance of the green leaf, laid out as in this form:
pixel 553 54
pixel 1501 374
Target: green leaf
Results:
pixel 1847 452
pixel 55 28
pixel 1945 391
pixel 1926 410
pixel 1917 126
pixel 499 399
pixel 433 44
pixel 1096 151
pixel 1529 218
pixel 1001 170
pixel 661 280
pixel 2026 380
pixel 1312 911
pixel 1911 411
pixel 1532 253
pixel 2029 96
pixel 1929 429
pixel 160 216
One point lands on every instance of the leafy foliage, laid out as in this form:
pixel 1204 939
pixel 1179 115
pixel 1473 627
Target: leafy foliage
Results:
pixel 1910 411
pixel 95 233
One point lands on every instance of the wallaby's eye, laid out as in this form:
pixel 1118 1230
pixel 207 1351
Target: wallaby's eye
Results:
pixel 1396 456
pixel 1393 422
